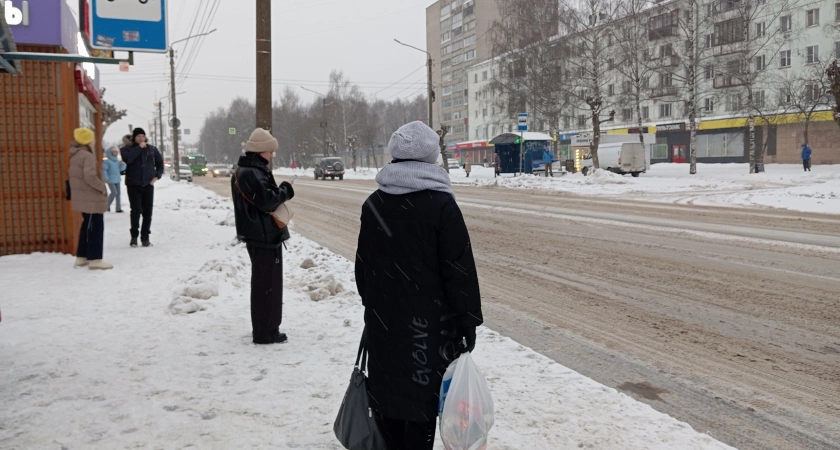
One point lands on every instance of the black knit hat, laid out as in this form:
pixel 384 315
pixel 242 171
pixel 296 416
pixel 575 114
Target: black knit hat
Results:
pixel 137 132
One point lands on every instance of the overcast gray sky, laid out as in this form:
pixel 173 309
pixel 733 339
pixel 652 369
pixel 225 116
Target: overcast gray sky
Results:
pixel 310 38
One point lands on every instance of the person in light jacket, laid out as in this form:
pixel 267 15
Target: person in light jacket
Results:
pixel 112 166
pixel 89 196
pixel 468 168
pixel 417 278
pixel 806 157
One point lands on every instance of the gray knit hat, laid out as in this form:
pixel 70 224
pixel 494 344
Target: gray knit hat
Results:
pixel 415 141
pixel 261 141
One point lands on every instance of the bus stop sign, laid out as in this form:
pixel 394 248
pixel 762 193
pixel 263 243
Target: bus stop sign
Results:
pixel 129 25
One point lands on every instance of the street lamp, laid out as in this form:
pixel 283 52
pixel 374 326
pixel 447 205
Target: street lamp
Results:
pixel 160 117
pixel 175 121
pixel 430 93
pixel 323 117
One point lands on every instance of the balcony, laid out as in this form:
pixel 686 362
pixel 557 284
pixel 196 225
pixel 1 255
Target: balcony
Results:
pixel 663 32
pixel 663 91
pixel 726 81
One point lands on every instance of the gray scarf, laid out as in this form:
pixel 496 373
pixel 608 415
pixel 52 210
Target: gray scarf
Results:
pixel 400 178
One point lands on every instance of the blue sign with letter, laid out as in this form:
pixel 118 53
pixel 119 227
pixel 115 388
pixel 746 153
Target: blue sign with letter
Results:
pixel 129 25
pixel 523 121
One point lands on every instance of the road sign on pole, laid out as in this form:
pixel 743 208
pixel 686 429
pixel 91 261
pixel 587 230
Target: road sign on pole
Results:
pixel 138 26
pixel 175 122
pixel 231 131
pixel 523 121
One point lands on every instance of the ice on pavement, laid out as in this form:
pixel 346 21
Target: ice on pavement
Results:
pixel 157 353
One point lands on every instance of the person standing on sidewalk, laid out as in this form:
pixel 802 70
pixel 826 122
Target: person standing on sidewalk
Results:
pixel 497 165
pixel 111 169
pixel 468 168
pixel 89 196
pixel 806 157
pixel 255 196
pixel 144 166
pixel 548 160
pixel 417 277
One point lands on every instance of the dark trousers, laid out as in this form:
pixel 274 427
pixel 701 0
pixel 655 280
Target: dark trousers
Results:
pixel 549 170
pixel 142 200
pixel 403 435
pixel 266 291
pixel 806 164
pixel 91 236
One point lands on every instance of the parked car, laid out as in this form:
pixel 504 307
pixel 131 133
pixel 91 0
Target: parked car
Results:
pixel 621 158
pixel 453 164
pixel 329 167
pixel 185 171
pixel 221 170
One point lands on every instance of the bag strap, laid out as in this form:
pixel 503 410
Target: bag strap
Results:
pixel 361 357
pixel 236 182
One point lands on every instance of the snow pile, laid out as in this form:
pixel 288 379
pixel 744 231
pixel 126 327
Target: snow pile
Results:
pixel 781 186
pixel 97 360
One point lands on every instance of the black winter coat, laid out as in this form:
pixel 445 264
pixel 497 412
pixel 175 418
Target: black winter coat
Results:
pixel 254 224
pixel 142 164
pixel 417 277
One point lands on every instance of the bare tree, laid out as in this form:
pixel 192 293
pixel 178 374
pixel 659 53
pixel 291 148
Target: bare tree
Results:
pixel 832 73
pixel 110 113
pixel 807 92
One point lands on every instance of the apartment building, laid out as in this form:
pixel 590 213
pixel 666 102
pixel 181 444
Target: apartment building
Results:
pixel 773 72
pixel 457 36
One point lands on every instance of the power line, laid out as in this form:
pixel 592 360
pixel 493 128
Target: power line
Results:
pixel 403 78
pixel 214 9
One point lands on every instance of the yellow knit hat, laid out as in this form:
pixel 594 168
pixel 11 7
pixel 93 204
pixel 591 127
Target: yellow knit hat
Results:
pixel 83 136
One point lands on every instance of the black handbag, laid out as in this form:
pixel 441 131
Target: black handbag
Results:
pixel 356 427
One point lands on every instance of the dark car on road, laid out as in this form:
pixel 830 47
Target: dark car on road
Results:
pixel 332 167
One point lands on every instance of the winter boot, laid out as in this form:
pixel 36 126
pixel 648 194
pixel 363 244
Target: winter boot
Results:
pixel 80 262
pixel 133 242
pixel 98 264
pixel 147 244
pixel 277 338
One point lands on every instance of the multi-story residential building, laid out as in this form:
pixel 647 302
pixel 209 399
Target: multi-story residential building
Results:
pixel 764 60
pixel 487 118
pixel 457 36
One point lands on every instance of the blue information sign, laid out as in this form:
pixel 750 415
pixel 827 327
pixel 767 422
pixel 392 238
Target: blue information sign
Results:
pixel 523 121
pixel 129 25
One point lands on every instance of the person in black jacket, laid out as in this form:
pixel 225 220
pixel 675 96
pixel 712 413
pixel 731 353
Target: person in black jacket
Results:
pixel 144 166
pixel 255 195
pixel 417 278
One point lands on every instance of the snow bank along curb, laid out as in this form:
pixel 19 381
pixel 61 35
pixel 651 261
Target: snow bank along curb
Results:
pixel 157 353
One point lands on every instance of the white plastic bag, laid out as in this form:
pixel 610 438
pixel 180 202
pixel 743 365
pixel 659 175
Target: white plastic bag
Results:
pixel 465 407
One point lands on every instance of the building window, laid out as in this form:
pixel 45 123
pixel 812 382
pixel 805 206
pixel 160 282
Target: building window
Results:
pixel 709 72
pixel 729 31
pixel 476 114
pixel 666 80
pixel 784 58
pixel 581 120
pixel 760 29
pixel 813 54
pixel 786 23
pixel 476 78
pixel 484 75
pixel 646 112
pixel 813 93
pixel 837 49
pixel 484 112
pixel 813 17
pixel 581 72
pixel 477 95
pixel 708 41
pixel 626 114
pixel 469 56
pixel 611 89
pixel 627 86
pixel 760 63
pixel 759 99
pixel 708 105
pixel 837 12
pixel 664 110
pixel 666 50
pixel 784 98
pixel 733 102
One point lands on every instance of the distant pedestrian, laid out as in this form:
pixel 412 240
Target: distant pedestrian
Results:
pixel 806 157
pixel 112 166
pixel 89 196
pixel 255 195
pixel 497 164
pixel 417 278
pixel 144 168
pixel 468 168
pixel 485 161
pixel 548 160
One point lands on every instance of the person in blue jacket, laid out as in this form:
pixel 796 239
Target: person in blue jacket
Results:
pixel 548 159
pixel 806 157
pixel 111 168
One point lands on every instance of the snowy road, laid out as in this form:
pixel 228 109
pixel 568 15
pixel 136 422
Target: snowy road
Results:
pixel 723 318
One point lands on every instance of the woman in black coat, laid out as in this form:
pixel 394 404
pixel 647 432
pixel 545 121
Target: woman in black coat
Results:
pixel 417 278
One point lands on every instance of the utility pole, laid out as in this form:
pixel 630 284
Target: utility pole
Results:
pixel 430 92
pixel 160 123
pixel 264 64
pixel 176 159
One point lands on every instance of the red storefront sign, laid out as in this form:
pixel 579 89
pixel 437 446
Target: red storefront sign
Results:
pixel 86 87
pixel 472 144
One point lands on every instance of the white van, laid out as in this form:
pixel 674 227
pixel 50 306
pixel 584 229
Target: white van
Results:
pixel 620 157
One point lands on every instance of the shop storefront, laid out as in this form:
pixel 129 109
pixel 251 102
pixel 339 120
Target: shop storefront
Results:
pixel 41 108
pixel 476 152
